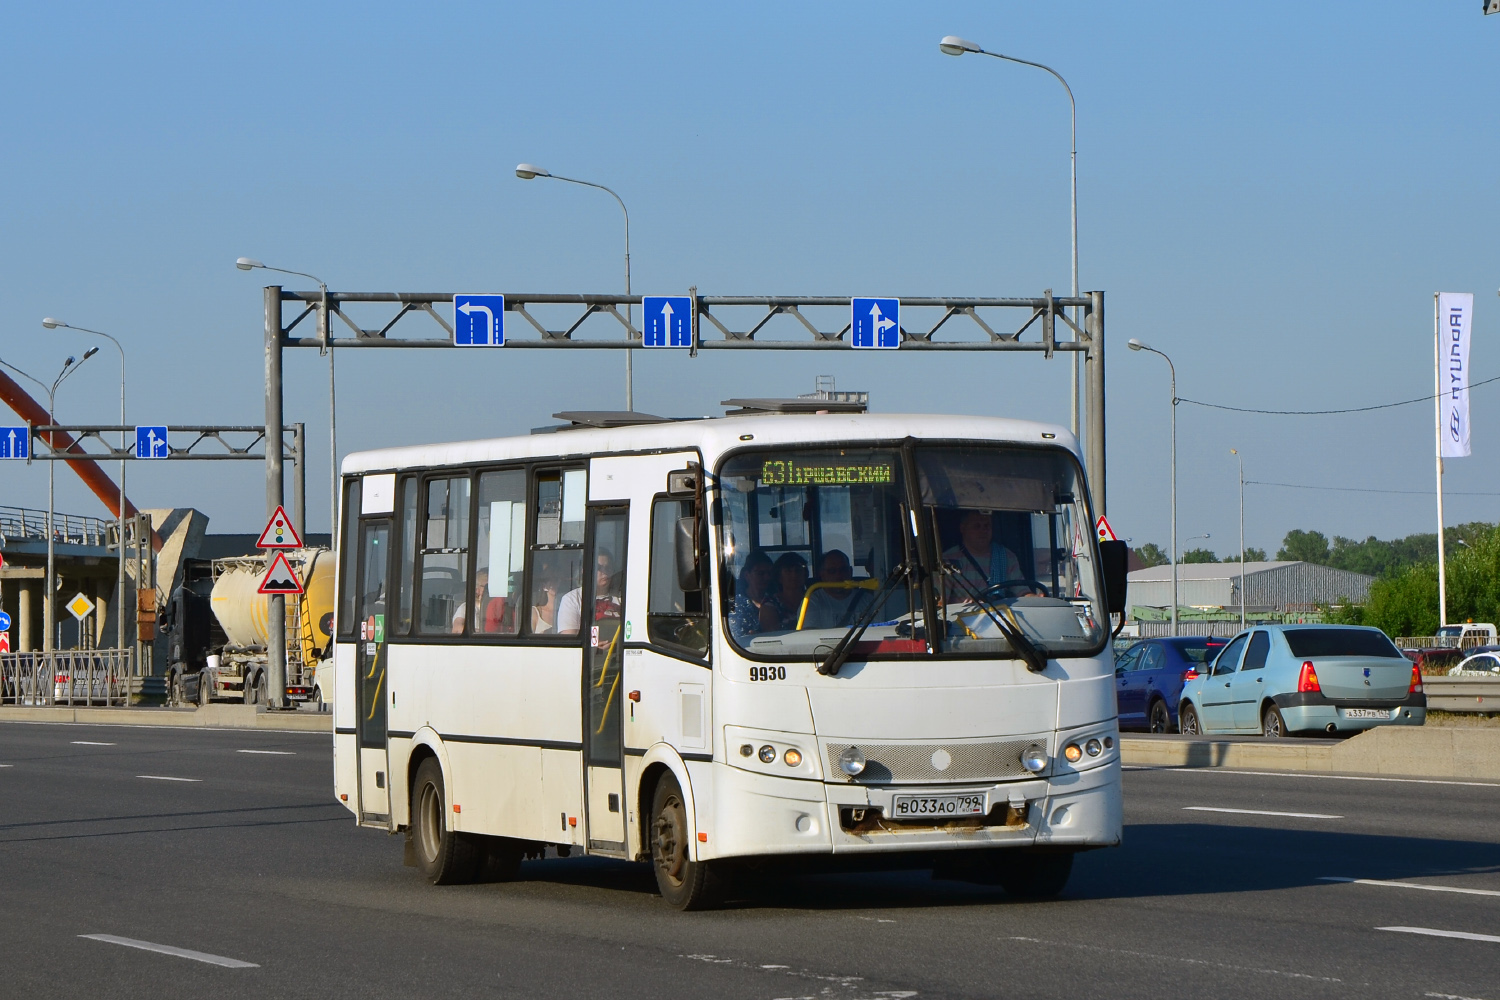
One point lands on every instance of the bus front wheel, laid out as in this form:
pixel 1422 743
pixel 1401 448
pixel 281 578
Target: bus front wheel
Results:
pixel 684 883
pixel 445 856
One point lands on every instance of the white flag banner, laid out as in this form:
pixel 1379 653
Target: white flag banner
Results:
pixel 1455 314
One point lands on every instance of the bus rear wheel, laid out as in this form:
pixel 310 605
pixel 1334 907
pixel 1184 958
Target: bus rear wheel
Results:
pixel 684 883
pixel 444 856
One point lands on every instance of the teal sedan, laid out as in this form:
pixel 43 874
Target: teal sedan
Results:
pixel 1282 680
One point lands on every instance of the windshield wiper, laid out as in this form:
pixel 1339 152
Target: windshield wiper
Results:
pixel 1036 660
pixel 836 657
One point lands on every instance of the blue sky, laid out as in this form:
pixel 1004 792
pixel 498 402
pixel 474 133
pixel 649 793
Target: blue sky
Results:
pixel 1271 193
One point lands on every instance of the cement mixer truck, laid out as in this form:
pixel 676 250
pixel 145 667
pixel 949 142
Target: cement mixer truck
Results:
pixel 215 626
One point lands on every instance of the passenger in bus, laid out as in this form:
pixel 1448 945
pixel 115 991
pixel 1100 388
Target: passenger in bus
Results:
pixel 607 602
pixel 978 562
pixel 751 595
pixel 781 609
pixel 481 601
pixel 544 607
pixel 835 607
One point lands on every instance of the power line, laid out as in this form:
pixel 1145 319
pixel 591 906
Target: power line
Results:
pixel 1356 489
pixel 1324 413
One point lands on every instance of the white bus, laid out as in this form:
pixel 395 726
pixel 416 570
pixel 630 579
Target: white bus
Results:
pixel 703 643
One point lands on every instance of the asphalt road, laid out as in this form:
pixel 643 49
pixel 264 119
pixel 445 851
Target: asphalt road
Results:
pixel 251 861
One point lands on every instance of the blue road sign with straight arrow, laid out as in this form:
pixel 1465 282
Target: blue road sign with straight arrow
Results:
pixel 479 320
pixel 15 442
pixel 151 441
pixel 875 323
pixel 666 321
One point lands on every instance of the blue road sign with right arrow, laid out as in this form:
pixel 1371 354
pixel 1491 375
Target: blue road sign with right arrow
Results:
pixel 151 441
pixel 479 320
pixel 875 323
pixel 666 321
pixel 15 442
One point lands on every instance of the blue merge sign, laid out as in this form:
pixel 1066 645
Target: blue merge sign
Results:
pixel 4 622
pixel 875 323
pixel 667 321
pixel 15 442
pixel 151 441
pixel 479 320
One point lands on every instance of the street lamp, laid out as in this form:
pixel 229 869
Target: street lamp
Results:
pixel 1136 345
pixel 53 324
pixel 1236 454
pixel 530 171
pixel 251 264
pixel 952 45
pixel 70 366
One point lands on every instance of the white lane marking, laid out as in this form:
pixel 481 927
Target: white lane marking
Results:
pixel 1434 932
pixel 279 753
pixel 1304 774
pixel 90 743
pixel 7 765
pixel 163 777
pixel 1259 812
pixel 1175 958
pixel 166 949
pixel 1449 996
pixel 1411 885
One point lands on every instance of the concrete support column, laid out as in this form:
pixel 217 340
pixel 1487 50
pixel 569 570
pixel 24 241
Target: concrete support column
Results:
pixel 26 610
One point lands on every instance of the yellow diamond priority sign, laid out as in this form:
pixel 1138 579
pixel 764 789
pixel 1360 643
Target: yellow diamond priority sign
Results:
pixel 80 607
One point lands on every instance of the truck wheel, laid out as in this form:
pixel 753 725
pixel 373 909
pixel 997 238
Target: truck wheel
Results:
pixel 445 857
pixel 249 693
pixel 175 696
pixel 317 700
pixel 261 689
pixel 205 688
pixel 685 884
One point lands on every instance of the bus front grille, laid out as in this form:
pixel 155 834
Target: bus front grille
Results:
pixel 927 763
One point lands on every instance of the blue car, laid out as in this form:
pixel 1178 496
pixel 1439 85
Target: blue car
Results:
pixel 1279 680
pixel 1149 678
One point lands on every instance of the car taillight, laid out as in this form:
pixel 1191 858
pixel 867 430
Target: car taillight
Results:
pixel 1191 675
pixel 1416 680
pixel 1307 680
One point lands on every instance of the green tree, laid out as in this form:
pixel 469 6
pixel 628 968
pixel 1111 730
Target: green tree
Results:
pixel 1305 546
pixel 1199 556
pixel 1150 555
pixel 1252 554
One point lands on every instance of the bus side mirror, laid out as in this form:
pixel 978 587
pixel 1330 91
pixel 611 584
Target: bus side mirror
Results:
pixel 1114 559
pixel 685 544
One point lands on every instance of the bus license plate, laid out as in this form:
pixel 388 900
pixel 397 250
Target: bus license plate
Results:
pixel 922 806
pixel 1367 713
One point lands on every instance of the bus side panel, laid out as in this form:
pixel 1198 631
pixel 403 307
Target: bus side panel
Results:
pixel 345 742
pixel 562 793
pixel 1088 695
pixel 674 709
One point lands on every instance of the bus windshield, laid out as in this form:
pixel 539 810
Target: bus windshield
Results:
pixel 816 541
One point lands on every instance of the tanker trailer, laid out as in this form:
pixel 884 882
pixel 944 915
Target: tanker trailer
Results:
pixel 237 668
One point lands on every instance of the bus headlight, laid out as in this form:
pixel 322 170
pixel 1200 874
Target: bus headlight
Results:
pixel 1034 759
pixel 768 754
pixel 1093 748
pixel 852 762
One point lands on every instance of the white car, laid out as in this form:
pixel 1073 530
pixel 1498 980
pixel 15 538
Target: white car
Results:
pixel 1486 664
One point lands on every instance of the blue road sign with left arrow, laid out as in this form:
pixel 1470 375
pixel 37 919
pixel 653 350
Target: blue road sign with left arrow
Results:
pixel 875 323
pixel 479 320
pixel 666 321
pixel 15 442
pixel 151 441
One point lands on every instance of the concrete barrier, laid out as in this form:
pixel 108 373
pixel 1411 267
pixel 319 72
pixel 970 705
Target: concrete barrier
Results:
pixel 1408 751
pixel 208 716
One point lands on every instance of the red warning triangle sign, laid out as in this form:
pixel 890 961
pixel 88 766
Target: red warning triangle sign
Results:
pixel 279 533
pixel 280 579
pixel 1104 531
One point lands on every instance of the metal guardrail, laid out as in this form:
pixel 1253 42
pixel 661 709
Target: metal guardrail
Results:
pixel 70 529
pixel 1463 694
pixel 69 677
pixel 1438 641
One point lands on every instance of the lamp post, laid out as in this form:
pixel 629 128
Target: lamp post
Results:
pixel 952 45
pixel 1136 345
pixel 530 171
pixel 53 324
pixel 1236 454
pixel 251 264
pixel 49 606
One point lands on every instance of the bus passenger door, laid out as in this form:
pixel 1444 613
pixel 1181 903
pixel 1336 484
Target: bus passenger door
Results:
pixel 370 672
pixel 602 628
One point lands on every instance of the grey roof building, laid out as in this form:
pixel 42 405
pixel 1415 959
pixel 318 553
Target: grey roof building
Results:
pixel 1269 586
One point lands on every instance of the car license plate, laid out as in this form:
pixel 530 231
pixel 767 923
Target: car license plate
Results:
pixel 1367 713
pixel 923 806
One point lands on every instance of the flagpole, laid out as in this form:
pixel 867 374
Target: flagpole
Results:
pixel 1437 427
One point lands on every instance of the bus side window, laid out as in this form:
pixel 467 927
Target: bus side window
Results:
pixel 557 554
pixel 349 546
pixel 445 555
pixel 500 553
pixel 673 617
pixel 405 585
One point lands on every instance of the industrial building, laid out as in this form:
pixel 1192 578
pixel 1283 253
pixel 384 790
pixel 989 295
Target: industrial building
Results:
pixel 1268 587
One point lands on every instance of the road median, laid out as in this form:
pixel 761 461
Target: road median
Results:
pixel 207 717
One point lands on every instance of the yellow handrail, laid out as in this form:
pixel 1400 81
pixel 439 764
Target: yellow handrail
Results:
pixel 867 584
